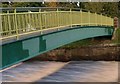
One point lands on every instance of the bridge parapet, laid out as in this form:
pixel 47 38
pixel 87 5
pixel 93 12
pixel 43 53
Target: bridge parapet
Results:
pixel 17 22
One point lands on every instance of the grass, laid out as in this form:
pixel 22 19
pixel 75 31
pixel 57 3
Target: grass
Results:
pixel 82 43
pixel 118 35
pixel 116 40
pixel 76 44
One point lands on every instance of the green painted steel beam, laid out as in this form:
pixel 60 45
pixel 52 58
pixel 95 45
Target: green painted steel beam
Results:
pixel 22 50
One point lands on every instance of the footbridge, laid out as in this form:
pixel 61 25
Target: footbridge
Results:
pixel 28 32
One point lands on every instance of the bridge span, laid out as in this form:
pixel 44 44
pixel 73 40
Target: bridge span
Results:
pixel 28 34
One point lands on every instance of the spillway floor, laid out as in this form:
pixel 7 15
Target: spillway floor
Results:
pixel 73 71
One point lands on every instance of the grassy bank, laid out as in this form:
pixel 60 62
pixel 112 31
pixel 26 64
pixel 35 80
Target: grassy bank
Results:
pixel 87 42
pixel 117 37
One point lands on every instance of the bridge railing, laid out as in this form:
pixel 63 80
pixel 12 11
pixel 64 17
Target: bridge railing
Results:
pixel 16 23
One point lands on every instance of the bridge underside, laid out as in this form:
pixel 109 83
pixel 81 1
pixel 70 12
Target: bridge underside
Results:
pixel 22 50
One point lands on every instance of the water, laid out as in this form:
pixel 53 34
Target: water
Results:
pixel 73 71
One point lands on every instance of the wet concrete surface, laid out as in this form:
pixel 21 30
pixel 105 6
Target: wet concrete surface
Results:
pixel 73 71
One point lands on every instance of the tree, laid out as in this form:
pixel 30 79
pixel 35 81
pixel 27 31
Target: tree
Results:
pixel 23 4
pixel 109 8
pixel 94 6
pixel 119 10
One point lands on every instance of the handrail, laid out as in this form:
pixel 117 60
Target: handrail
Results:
pixel 26 9
pixel 21 9
pixel 23 22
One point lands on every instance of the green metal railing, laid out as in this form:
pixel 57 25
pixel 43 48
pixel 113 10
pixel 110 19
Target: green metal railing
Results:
pixel 16 23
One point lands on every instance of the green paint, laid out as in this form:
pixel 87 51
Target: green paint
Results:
pixel 42 44
pixel 18 51
pixel 12 53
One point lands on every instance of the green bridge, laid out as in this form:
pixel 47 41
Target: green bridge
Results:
pixel 28 32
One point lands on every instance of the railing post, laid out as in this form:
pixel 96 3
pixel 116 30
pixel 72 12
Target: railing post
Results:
pixel 58 18
pixel 70 17
pixel 1 28
pixel 45 20
pixel 101 19
pixel 40 19
pixel 26 21
pixel 9 23
pixel 16 24
pixel 96 19
pixel 106 20
pixel 81 16
pixel 89 17
pixel 29 19
pixel 112 21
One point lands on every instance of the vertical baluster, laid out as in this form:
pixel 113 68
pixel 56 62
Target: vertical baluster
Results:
pixel 95 19
pixel 40 19
pixel 58 18
pixel 106 20
pixel 45 20
pixel 5 23
pixel 1 27
pixel 70 17
pixel 101 20
pixel 16 27
pixel 19 24
pixel 109 21
pixel 63 19
pixel 26 22
pixel 66 18
pixel 33 21
pixel 29 20
pixel 81 16
pixel 9 25
pixel 36 22
pixel 112 23
pixel 55 19
pixel 51 20
pixel 89 17
pixel 48 19
pixel 23 24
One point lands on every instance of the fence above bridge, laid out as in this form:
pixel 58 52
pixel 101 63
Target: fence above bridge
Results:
pixel 15 22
